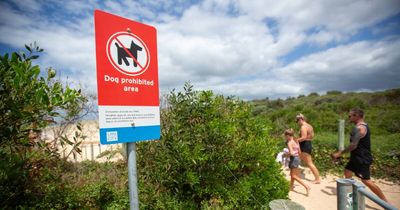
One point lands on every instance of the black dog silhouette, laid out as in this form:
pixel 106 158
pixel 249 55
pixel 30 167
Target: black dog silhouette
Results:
pixel 122 54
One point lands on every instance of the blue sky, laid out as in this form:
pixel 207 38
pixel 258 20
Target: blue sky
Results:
pixel 250 49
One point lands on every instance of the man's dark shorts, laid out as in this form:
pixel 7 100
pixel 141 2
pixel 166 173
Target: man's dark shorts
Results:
pixel 306 146
pixel 294 162
pixel 360 170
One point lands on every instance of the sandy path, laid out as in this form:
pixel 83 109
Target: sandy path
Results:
pixel 323 196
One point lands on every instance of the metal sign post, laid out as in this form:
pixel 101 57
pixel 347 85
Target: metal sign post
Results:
pixel 341 135
pixel 132 176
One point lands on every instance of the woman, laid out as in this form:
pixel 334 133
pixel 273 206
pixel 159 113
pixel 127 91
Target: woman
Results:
pixel 294 152
pixel 306 136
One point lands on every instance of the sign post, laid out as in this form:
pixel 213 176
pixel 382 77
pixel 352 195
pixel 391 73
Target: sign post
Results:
pixel 127 85
pixel 132 176
pixel 341 135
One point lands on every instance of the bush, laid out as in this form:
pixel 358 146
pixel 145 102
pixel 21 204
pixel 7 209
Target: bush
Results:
pixel 212 153
pixel 390 120
pixel 313 94
pixel 333 92
pixel 28 103
pixel 393 96
pixel 324 144
pixel 351 103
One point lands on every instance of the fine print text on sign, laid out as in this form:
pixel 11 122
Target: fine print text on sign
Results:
pixel 127 79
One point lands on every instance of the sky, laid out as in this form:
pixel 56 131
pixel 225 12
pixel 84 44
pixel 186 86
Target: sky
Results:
pixel 248 49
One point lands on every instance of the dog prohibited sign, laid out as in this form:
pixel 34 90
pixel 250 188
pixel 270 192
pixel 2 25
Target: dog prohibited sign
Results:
pixel 128 53
pixel 127 79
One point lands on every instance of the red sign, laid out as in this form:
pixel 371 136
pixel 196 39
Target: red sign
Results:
pixel 126 57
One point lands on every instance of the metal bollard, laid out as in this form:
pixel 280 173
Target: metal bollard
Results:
pixel 344 194
pixel 358 198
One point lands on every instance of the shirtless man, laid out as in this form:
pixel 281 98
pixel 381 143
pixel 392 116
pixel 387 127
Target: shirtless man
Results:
pixel 306 136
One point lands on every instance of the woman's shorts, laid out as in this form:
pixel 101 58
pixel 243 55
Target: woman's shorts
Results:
pixel 294 162
pixel 306 146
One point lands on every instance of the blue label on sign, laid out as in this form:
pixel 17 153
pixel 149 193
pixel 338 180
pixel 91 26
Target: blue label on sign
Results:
pixel 129 134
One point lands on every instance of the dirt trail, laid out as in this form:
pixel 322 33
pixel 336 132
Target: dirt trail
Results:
pixel 323 196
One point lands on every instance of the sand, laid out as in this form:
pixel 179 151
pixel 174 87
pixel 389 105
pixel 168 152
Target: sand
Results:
pixel 323 195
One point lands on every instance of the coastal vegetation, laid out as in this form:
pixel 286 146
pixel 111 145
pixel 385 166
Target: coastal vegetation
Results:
pixel 215 152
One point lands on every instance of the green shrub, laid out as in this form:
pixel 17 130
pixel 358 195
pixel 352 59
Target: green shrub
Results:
pixel 28 103
pixel 390 120
pixel 301 96
pixel 99 195
pixel 351 103
pixel 324 144
pixel 333 92
pixel 393 96
pixel 212 153
pixel 85 185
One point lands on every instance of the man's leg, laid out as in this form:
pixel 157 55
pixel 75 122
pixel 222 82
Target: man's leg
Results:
pixel 347 173
pixel 374 188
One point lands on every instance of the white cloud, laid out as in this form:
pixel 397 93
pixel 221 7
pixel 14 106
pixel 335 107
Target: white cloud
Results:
pixel 349 67
pixel 224 45
pixel 322 37
pixel 209 47
pixel 77 7
pixel 355 67
pixel 342 18
pixel 28 5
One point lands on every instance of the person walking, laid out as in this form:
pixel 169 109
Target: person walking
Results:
pixel 360 152
pixel 294 162
pixel 306 136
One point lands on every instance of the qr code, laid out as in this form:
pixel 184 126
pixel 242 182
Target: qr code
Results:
pixel 112 136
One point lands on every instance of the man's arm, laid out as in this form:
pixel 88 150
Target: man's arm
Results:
pixel 358 133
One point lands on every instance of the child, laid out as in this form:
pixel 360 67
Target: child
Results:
pixel 283 158
pixel 294 151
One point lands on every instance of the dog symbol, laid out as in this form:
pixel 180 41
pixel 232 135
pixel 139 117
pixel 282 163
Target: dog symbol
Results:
pixel 122 54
